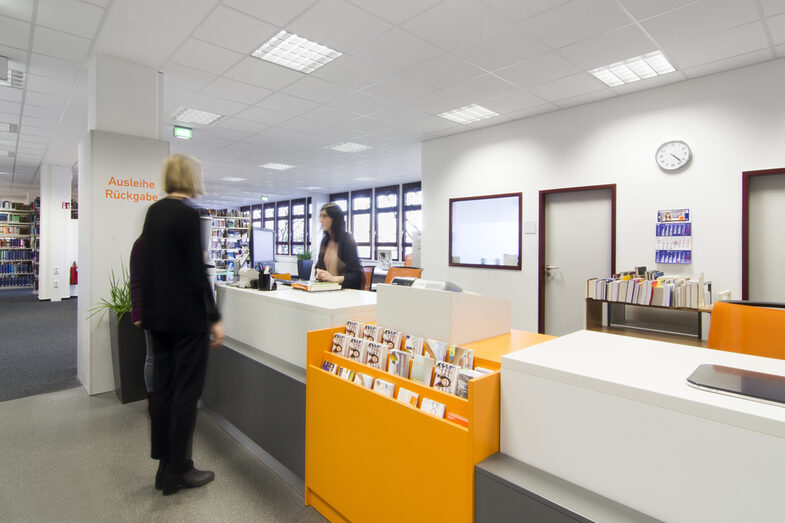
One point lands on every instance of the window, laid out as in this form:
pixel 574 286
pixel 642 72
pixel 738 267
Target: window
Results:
pixel 386 221
pixel 282 227
pixel 268 214
pixel 256 216
pixel 342 201
pixel 412 214
pixel 299 226
pixel 361 208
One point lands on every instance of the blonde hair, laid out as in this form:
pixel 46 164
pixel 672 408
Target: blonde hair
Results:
pixel 183 173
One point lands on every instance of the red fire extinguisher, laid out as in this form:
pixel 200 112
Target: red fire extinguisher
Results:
pixel 74 274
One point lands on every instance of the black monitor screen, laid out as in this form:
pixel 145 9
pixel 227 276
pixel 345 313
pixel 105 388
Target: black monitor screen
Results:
pixel 263 248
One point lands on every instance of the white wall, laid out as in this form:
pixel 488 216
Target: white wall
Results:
pixel 56 238
pixel 734 121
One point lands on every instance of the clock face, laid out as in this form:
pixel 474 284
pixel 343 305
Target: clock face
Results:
pixel 673 155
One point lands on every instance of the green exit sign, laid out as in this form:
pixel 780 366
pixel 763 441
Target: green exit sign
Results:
pixel 183 132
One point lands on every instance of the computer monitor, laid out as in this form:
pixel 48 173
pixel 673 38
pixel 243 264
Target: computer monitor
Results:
pixel 263 248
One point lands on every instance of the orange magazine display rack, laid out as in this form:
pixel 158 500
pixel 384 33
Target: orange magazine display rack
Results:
pixel 369 457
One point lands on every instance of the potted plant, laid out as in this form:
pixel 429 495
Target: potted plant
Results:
pixel 304 265
pixel 127 341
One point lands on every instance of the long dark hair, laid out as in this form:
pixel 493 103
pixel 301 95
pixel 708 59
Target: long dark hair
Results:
pixel 338 228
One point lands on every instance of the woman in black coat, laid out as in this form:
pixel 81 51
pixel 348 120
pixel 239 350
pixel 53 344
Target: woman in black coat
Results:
pixel 338 259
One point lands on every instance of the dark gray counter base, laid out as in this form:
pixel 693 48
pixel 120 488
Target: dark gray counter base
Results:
pixel 262 408
pixel 507 490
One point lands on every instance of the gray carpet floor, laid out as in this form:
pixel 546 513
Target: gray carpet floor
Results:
pixel 37 345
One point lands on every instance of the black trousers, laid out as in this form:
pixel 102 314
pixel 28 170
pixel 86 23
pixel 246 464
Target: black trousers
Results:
pixel 180 364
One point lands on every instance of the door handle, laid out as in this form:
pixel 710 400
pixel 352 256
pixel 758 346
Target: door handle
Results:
pixel 549 270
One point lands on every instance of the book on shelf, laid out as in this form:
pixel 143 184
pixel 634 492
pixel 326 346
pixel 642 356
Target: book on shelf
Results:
pixel 376 355
pixel 456 418
pixel 413 345
pixel 330 367
pixel 398 363
pixel 340 343
pixel 384 387
pixel 372 332
pixel 346 374
pixel 391 338
pixel 354 328
pixel 435 349
pixel 364 380
pixel 316 286
pixel 422 370
pixel 355 349
pixel 445 377
pixel 407 396
pixel 433 407
pixel 462 386
pixel 462 357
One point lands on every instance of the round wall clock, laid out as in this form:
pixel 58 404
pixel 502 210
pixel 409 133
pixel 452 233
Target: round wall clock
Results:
pixel 673 155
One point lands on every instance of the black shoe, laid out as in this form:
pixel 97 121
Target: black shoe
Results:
pixel 159 476
pixel 191 478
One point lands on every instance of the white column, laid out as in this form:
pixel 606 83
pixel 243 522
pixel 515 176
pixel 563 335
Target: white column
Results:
pixel 318 201
pixel 53 261
pixel 119 177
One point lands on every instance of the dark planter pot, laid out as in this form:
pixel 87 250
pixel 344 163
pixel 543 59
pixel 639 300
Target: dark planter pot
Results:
pixel 304 269
pixel 128 355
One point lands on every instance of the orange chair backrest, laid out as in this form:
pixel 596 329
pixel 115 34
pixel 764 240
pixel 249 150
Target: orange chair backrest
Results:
pixel 407 260
pixel 368 270
pixel 747 329
pixel 282 276
pixel 410 272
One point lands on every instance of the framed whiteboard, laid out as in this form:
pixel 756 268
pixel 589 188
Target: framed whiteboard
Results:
pixel 485 231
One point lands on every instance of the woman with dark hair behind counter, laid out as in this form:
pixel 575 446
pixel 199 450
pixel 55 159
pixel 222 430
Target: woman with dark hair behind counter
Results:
pixel 338 259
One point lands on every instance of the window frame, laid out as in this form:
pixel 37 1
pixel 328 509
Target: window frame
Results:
pixel 381 191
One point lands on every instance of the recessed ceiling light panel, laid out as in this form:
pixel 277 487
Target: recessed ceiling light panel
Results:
pixel 348 147
pixel 16 79
pixel 8 127
pixel 232 179
pixel 277 166
pixel 295 52
pixel 633 69
pixel 469 114
pixel 188 115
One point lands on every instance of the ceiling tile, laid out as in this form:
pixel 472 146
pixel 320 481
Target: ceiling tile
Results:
pixel 243 126
pixel 397 50
pixel 501 49
pixel 780 49
pixel 235 30
pixel 543 68
pixel 263 115
pixel 205 56
pixel 398 11
pixel 352 71
pixel 316 90
pixel 215 105
pixel 575 85
pixel 304 125
pixel 338 25
pixel 329 114
pixel 17 58
pixel 401 116
pixel 571 22
pixel 360 103
pixel 262 73
pixel 513 102
pixel 699 19
pixel 776 26
pixel 10 107
pixel 730 63
pixel 14 33
pixel 277 13
pixel 456 22
pixel 236 91
pixel 44 100
pixel 54 67
pixel 482 88
pixel 772 7
pixel 39 84
pixel 642 9
pixel 17 9
pixel 398 89
pixel 444 70
pixel 581 99
pixel 438 102
pixel 517 10
pixel 609 48
pixel 70 16
pixel 287 104
pixel 186 77
pixel 60 45
pixel 367 125
pixel 718 46
pixel 176 96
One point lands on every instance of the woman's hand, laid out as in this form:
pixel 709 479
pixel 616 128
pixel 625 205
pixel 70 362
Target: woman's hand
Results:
pixel 216 335
pixel 323 275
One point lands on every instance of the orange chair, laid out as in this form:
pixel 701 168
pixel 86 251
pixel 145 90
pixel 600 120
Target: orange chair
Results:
pixel 368 270
pixel 407 261
pixel 410 272
pixel 748 328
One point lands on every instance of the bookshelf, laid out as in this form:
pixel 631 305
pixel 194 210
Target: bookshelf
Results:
pixel 229 237
pixel 369 457
pixel 16 255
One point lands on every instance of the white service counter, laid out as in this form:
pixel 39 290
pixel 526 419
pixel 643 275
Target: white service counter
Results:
pixel 614 414
pixel 276 322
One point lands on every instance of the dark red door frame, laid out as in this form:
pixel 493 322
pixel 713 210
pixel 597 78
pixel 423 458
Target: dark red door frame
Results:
pixel 745 226
pixel 541 264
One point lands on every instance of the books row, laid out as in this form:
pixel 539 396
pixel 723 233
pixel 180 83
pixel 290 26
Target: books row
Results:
pixel 403 395
pixel 15 243
pixel 14 229
pixel 7 204
pixel 316 286
pixel 447 368
pixel 663 291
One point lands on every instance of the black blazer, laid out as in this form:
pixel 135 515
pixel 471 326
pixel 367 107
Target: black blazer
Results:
pixel 176 294
pixel 353 275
